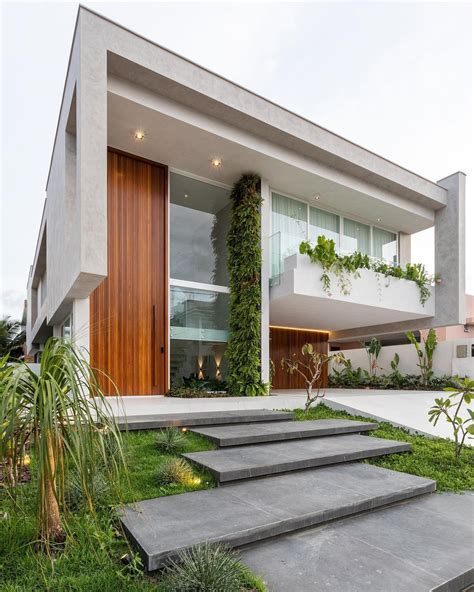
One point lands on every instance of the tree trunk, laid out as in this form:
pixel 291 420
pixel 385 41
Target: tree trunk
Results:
pixel 50 517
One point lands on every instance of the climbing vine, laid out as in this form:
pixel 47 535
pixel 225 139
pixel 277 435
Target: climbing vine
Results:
pixel 245 262
pixel 345 267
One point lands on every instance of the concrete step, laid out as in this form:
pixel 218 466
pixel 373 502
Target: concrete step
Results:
pixel 421 545
pixel 241 434
pixel 250 511
pixel 245 462
pixel 199 418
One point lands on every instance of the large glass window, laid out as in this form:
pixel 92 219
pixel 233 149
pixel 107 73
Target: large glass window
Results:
pixel 323 223
pixel 199 224
pixel 289 221
pixel 199 299
pixel 384 245
pixel 356 237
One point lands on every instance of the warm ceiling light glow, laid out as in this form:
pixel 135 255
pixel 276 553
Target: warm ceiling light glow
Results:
pixel 216 162
pixel 139 135
pixel 298 329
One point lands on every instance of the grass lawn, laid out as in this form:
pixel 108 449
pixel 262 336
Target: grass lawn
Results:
pixel 91 558
pixel 431 457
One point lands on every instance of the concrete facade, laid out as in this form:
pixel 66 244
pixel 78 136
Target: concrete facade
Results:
pixel 117 80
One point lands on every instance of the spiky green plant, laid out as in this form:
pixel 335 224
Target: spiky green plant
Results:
pixel 65 417
pixel 12 337
pixel 174 470
pixel 205 568
pixel 170 440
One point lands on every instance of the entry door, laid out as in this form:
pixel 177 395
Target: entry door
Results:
pixel 128 310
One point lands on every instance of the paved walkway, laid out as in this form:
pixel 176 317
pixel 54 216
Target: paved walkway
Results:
pixel 402 408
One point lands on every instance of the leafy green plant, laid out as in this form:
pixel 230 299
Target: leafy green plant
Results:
pixel 450 409
pixel 12 338
pixel 373 350
pixel 310 366
pixel 425 356
pixel 98 488
pixel 346 266
pixel 245 262
pixel 174 470
pixel 185 392
pixel 63 415
pixel 170 440
pixel 205 568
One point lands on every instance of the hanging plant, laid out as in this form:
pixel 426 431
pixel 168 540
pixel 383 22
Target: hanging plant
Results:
pixel 346 266
pixel 245 263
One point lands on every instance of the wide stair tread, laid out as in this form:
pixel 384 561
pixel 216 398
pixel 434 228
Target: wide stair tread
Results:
pixel 245 462
pixel 251 511
pixel 200 418
pixel 242 434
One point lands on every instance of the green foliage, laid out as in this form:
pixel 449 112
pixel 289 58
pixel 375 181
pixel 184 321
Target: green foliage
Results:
pixel 432 458
pixel 63 416
pixel 450 409
pixel 310 366
pixel 199 384
pixel 425 357
pixel 174 470
pixel 373 350
pixel 12 338
pixel 245 262
pixel 346 266
pixel 98 489
pixel 170 440
pixel 206 568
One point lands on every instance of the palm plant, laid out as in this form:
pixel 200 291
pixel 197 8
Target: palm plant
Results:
pixel 64 416
pixel 12 337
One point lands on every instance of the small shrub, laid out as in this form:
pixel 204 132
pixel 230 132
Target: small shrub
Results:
pixel 206 568
pixel 186 392
pixel 98 490
pixel 174 470
pixel 170 440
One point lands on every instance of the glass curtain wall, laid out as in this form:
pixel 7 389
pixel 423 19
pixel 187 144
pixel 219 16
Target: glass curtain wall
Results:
pixel 356 237
pixel 199 300
pixel 384 245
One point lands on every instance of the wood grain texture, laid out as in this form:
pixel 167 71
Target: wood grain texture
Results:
pixel 129 309
pixel 286 342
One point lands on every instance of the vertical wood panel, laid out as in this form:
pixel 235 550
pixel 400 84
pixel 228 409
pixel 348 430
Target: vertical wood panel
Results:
pixel 286 342
pixel 128 311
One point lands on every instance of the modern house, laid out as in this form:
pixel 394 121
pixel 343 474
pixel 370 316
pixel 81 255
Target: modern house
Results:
pixel 131 258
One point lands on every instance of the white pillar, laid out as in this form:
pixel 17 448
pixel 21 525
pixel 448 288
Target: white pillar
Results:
pixel 265 279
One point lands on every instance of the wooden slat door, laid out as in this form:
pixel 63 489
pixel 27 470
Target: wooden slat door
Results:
pixel 128 310
pixel 286 342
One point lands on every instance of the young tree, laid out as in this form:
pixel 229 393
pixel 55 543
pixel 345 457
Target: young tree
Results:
pixel 425 356
pixel 310 366
pixel 373 350
pixel 63 415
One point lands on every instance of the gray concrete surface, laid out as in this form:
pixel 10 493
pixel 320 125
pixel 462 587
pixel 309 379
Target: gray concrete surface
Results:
pixel 242 434
pixel 411 547
pixel 150 422
pixel 255 510
pixel 244 462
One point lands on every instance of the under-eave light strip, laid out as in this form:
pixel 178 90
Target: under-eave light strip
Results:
pixel 299 329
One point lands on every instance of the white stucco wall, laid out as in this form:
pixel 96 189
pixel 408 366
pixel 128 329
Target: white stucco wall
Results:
pixel 444 361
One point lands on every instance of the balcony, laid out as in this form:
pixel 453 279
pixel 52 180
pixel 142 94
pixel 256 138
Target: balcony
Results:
pixel 298 299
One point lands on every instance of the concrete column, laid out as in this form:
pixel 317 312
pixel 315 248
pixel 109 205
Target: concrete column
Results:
pixel 450 247
pixel 265 278
pixel 404 246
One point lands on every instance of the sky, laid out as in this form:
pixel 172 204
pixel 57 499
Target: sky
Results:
pixel 394 77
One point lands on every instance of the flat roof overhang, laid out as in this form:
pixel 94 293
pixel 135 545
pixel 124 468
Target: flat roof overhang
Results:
pixel 186 139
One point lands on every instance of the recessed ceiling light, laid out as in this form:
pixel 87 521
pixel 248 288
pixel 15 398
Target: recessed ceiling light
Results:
pixel 139 135
pixel 316 196
pixel 216 162
pixel 185 195
pixel 379 219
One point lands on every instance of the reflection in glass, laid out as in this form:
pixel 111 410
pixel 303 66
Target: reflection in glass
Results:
pixel 199 224
pixel 325 224
pixel 289 218
pixel 203 360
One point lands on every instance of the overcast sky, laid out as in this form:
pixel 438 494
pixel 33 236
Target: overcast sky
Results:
pixel 393 77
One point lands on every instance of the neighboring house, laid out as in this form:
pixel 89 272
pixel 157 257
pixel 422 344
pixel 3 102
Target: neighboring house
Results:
pixel 131 254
